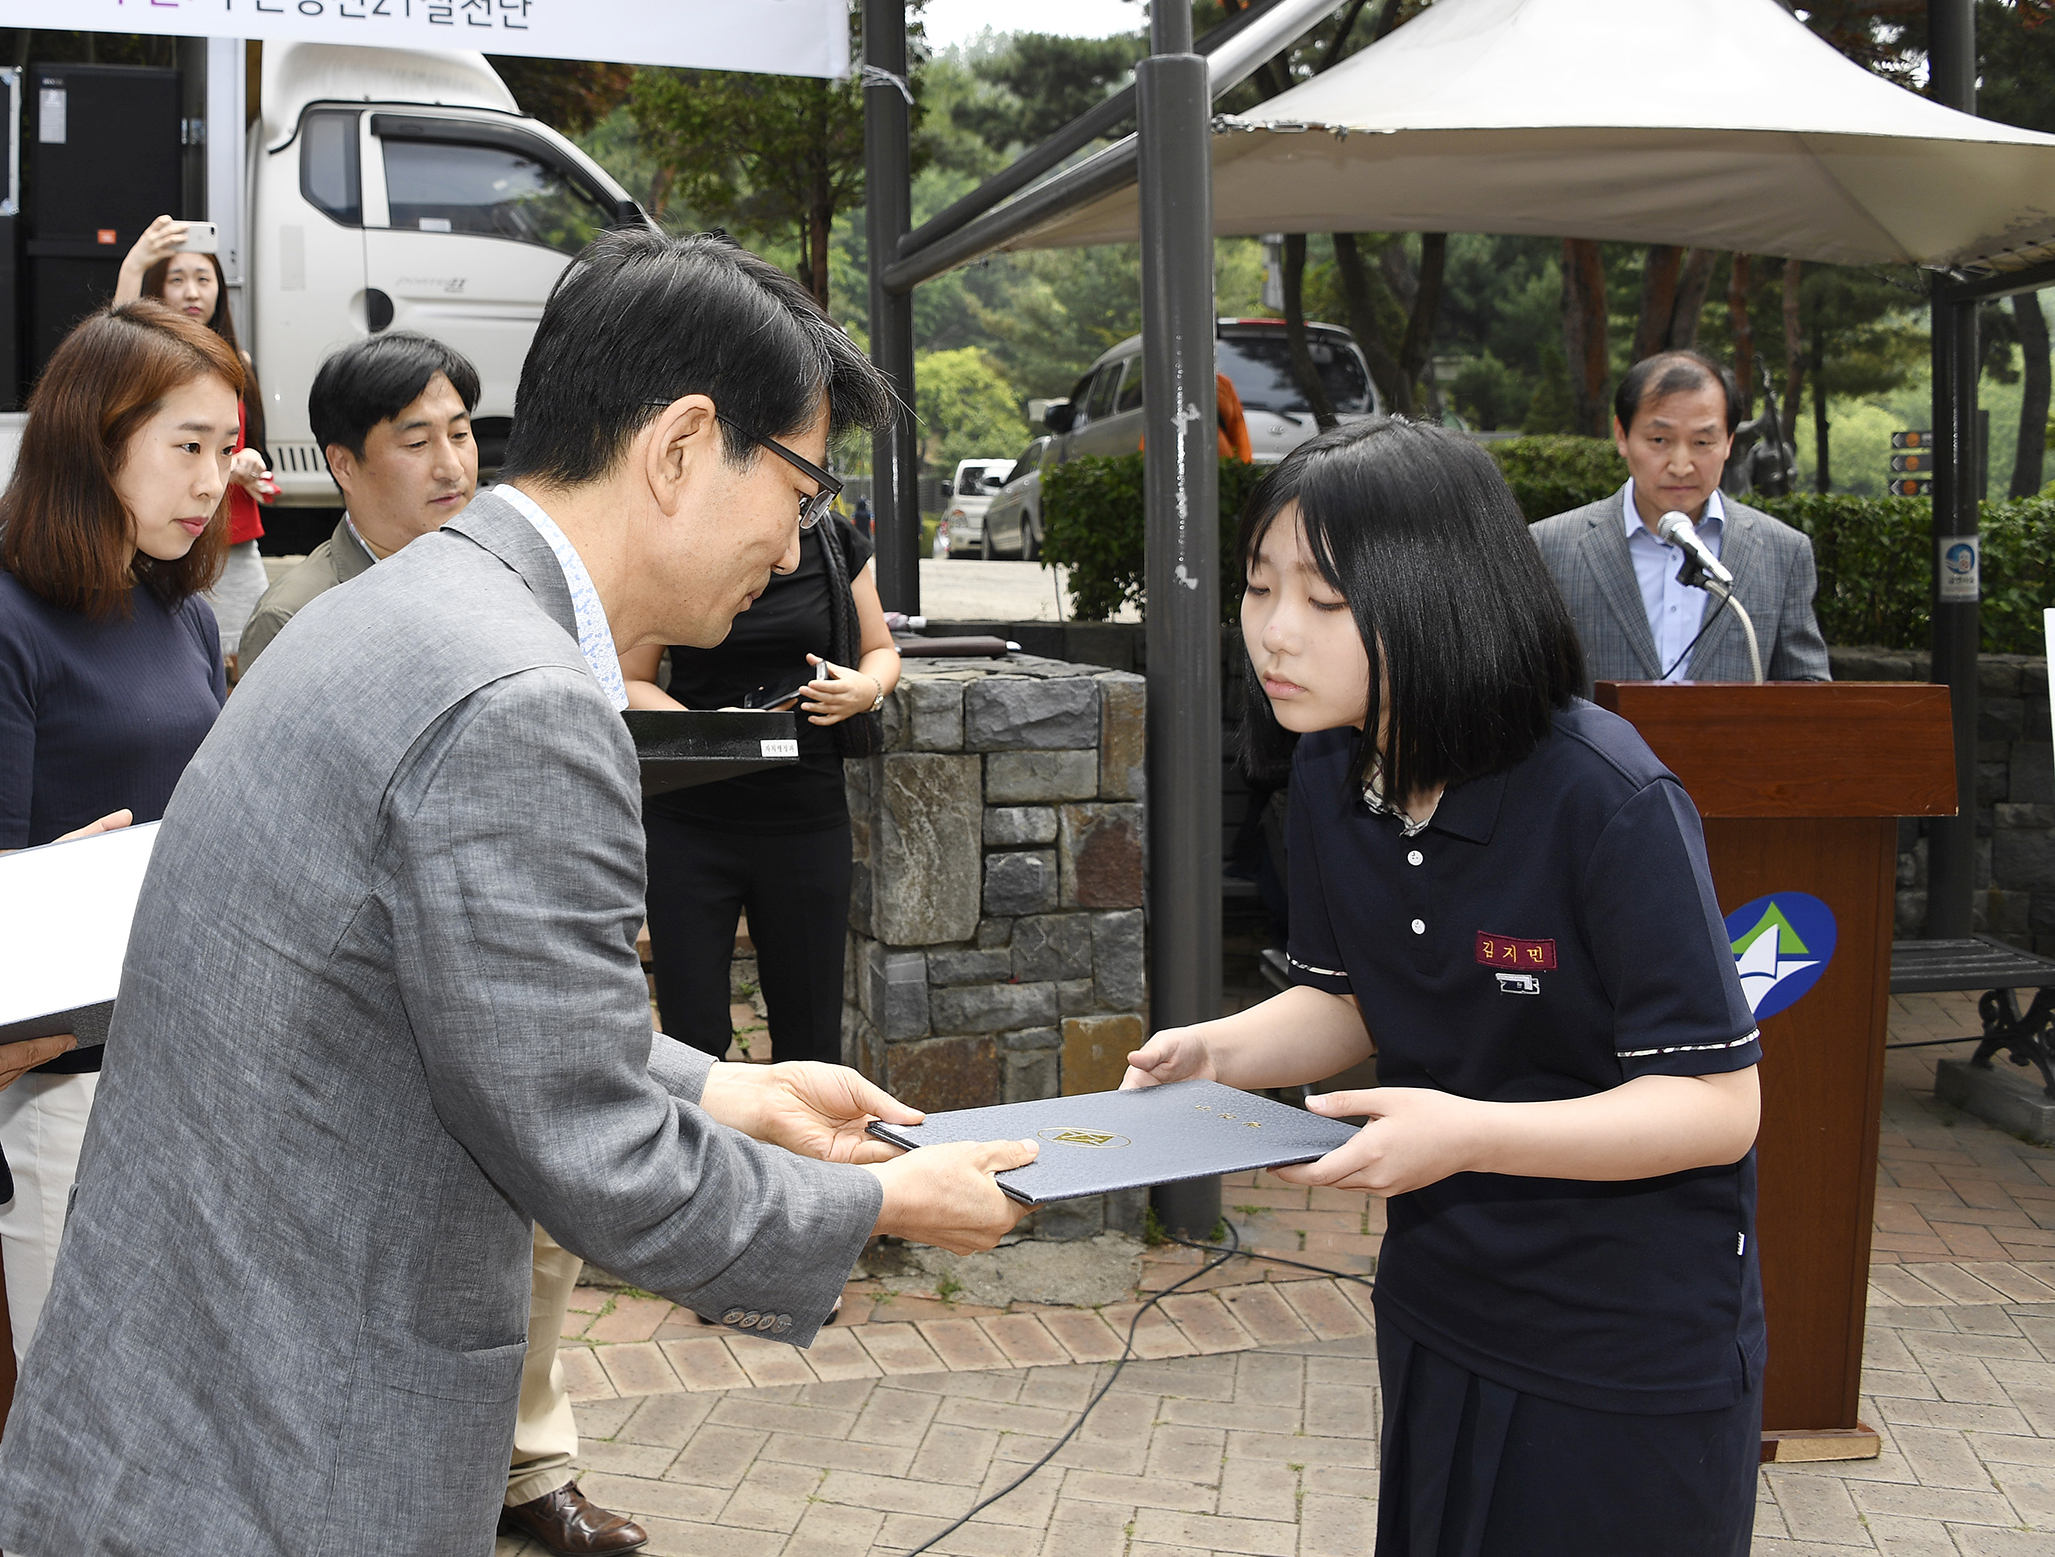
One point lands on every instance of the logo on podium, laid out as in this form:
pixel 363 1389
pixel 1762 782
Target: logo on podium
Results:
pixel 1782 944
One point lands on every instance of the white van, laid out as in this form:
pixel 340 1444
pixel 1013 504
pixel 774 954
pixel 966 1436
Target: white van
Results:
pixel 970 493
pixel 391 189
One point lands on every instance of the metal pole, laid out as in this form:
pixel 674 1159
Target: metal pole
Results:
pixel 888 197
pixel 1181 478
pixel 1951 841
pixel 226 99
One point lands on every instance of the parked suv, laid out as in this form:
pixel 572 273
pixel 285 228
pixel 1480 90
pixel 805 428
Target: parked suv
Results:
pixel 970 493
pixel 1104 412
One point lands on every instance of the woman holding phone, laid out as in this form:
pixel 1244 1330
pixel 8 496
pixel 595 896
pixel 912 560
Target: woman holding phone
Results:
pixel 110 666
pixel 1501 886
pixel 175 263
pixel 774 844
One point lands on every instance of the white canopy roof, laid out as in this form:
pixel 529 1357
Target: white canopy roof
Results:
pixel 1718 123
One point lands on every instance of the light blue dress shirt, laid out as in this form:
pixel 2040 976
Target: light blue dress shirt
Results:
pixel 1675 612
pixel 595 637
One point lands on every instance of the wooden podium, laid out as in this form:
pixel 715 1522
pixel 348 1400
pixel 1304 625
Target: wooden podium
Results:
pixel 1800 785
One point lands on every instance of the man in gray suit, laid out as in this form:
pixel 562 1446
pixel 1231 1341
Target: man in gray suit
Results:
pixel 1673 421
pixel 382 1008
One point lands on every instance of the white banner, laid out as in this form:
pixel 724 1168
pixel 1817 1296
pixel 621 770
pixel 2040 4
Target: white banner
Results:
pixel 772 37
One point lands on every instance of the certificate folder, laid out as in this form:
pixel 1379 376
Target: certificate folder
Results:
pixel 65 910
pixel 678 749
pixel 1104 1141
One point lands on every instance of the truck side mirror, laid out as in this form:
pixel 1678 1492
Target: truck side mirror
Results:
pixel 1060 416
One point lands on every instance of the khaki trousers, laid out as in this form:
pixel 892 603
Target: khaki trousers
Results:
pixel 545 1432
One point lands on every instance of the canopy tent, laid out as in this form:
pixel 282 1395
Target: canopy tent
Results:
pixel 1721 124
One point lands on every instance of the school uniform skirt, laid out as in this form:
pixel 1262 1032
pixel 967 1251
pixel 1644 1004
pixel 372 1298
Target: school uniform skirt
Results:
pixel 1470 1468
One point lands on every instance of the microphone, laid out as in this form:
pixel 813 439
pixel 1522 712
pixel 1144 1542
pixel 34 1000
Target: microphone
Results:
pixel 1676 529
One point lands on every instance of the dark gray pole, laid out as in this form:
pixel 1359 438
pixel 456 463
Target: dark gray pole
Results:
pixel 1181 479
pixel 1951 841
pixel 888 196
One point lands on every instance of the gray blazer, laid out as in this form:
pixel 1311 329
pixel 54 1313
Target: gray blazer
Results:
pixel 381 1008
pixel 1586 551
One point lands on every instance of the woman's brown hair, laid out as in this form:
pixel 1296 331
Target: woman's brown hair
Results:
pixel 63 529
pixel 223 325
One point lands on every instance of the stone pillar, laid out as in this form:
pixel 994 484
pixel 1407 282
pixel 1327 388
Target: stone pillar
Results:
pixel 997 949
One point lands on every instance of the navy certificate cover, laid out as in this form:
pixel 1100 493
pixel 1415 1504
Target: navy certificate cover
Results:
pixel 1119 1140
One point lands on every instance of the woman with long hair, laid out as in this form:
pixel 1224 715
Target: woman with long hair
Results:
pixel 194 285
pixel 1500 892
pixel 110 666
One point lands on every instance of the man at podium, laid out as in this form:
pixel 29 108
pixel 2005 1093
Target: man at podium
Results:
pixel 1673 422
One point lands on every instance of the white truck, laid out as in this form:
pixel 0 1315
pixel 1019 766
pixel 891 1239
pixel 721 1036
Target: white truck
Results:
pixel 390 189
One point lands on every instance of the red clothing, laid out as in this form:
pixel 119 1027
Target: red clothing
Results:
pixel 1234 426
pixel 244 520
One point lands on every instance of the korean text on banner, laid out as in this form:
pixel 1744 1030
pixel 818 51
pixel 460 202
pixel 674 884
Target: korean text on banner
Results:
pixel 770 37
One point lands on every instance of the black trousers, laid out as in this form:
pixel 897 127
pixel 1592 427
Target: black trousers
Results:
pixel 795 887
pixel 1469 1468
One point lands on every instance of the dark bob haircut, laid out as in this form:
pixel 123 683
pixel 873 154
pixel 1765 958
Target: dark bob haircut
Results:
pixel 1414 526
pixel 64 531
pixel 640 320
pixel 373 380
pixel 1673 373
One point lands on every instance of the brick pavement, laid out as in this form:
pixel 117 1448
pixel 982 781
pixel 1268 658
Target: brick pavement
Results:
pixel 1251 1429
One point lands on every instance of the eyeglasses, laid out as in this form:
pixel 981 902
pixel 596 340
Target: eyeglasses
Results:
pixel 812 510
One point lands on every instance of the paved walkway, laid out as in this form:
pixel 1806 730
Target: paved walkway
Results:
pixel 1251 1427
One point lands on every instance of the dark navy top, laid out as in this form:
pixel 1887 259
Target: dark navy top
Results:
pixel 97 714
pixel 1551 933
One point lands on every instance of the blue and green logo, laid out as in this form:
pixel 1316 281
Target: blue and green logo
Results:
pixel 1782 944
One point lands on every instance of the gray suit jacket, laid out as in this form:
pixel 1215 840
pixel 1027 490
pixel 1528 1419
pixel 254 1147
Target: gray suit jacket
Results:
pixel 1586 551
pixel 381 1008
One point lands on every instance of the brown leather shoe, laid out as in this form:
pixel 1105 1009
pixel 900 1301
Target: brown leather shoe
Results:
pixel 572 1525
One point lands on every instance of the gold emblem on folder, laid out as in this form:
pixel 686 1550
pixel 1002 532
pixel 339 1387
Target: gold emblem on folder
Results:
pixel 1075 1137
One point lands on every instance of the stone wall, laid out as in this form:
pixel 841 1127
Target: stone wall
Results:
pixel 2015 800
pixel 996 915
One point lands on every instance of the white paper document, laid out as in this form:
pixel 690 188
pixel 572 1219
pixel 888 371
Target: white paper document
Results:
pixel 65 911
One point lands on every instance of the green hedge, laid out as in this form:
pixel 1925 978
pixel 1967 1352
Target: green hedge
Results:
pixel 1874 556
pixel 1555 474
pixel 1092 524
pixel 1872 552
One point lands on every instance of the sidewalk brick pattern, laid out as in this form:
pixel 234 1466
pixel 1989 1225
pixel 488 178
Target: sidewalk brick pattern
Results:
pixel 1250 1424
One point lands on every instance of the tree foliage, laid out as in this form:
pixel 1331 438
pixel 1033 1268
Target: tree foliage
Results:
pixel 966 408
pixel 773 157
pixel 571 95
pixel 1040 82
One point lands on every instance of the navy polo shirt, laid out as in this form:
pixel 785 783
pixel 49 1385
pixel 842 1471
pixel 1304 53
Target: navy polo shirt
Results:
pixel 1551 933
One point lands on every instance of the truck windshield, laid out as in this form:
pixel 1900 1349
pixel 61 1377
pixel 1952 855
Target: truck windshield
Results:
pixel 438 186
pixel 1258 364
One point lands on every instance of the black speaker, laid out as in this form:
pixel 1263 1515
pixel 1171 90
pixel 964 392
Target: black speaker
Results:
pixel 101 160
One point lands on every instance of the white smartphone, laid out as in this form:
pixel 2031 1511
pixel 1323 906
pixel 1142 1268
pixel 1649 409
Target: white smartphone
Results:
pixel 201 238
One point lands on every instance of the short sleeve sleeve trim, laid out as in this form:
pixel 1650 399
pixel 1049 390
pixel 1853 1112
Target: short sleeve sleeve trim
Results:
pixel 1334 980
pixel 1694 1048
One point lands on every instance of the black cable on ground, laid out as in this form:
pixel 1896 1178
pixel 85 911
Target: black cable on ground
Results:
pixel 1127 1352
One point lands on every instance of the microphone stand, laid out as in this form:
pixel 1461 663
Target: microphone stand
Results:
pixel 1693 576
